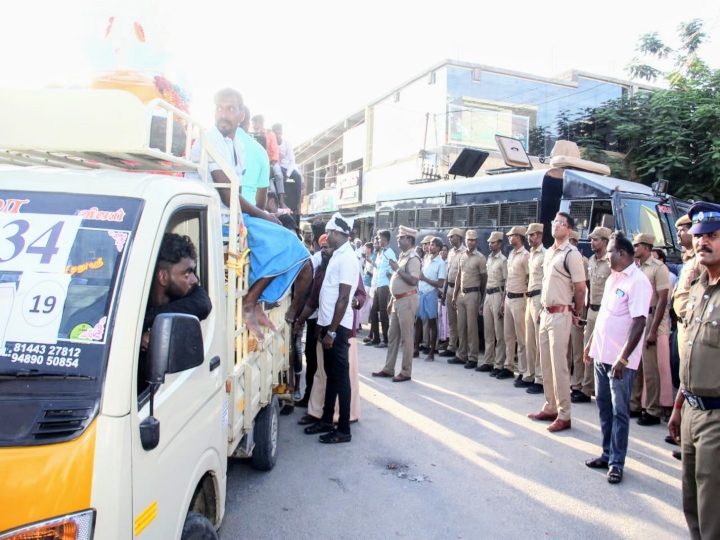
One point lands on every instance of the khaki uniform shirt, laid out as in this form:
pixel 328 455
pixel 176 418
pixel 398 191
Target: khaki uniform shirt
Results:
pixel 659 276
pixel 496 270
pixel 691 270
pixel 472 264
pixel 557 285
pixel 453 262
pixel 410 263
pixel 518 271
pixel 598 272
pixel 699 366
pixel 537 258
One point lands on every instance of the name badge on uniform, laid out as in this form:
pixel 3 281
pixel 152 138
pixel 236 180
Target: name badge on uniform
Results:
pixel 620 292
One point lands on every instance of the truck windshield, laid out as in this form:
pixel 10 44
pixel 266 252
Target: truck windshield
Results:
pixel 650 217
pixel 61 260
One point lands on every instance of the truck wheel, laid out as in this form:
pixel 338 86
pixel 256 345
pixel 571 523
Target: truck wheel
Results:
pixel 198 527
pixel 265 432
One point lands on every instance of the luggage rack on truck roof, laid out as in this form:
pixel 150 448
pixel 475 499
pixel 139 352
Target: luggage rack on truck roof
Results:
pixel 112 129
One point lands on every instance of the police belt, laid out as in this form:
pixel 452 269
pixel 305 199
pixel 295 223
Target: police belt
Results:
pixel 470 289
pixel 494 290
pixel 594 307
pixel 403 295
pixel 451 283
pixel 530 294
pixel 702 403
pixel 513 295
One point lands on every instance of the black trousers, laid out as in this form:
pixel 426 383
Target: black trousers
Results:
pixel 380 303
pixel 337 369
pixel 311 360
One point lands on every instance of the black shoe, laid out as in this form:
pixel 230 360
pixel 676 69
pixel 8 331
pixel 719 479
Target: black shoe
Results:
pixel 635 414
pixel 372 343
pixel 318 427
pixel 648 419
pixel 677 455
pixel 381 345
pixel 535 388
pixel 670 440
pixel 494 372
pixel 447 353
pixel 518 378
pixel 485 368
pixel 470 365
pixel 580 398
pixel 425 350
pixel 522 384
pixel 457 361
pixel 335 436
pixel 505 373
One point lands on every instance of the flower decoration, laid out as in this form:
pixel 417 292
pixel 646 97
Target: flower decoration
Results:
pixel 172 93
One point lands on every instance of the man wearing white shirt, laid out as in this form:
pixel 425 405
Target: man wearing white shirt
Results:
pixel 614 347
pixel 287 164
pixel 335 321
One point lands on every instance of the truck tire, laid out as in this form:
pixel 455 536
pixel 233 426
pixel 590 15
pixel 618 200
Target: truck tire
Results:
pixel 198 527
pixel 265 433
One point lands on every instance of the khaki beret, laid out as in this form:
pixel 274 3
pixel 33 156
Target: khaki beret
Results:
pixel 307 227
pixel 643 238
pixel 522 231
pixel 406 231
pixel 535 228
pixel 574 235
pixel 600 232
pixel 685 220
pixel 427 239
pixel 454 232
pixel 495 236
pixel 471 235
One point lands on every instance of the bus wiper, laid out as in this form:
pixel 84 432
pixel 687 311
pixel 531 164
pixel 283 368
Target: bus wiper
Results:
pixel 36 374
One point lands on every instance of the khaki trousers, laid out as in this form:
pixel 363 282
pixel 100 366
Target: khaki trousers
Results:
pixel 494 331
pixel 588 381
pixel 700 447
pixel 515 333
pixel 452 321
pixel 554 340
pixel 317 394
pixel 650 375
pixel 532 340
pixel 582 376
pixel 402 326
pixel 468 305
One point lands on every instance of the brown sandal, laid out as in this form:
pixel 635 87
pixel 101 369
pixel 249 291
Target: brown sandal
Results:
pixel 597 463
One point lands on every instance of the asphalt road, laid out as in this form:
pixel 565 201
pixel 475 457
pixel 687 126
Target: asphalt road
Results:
pixel 451 454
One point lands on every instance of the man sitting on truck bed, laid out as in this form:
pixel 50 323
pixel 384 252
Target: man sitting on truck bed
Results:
pixel 277 257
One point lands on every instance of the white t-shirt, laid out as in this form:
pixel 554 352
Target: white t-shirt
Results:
pixel 342 269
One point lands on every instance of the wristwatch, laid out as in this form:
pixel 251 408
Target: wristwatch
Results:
pixel 332 334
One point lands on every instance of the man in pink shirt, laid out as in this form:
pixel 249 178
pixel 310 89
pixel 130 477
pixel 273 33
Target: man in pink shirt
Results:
pixel 613 347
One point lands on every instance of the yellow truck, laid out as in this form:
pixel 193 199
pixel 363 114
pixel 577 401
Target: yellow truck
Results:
pixel 91 446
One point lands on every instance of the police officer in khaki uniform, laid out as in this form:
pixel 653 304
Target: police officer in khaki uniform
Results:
pixel 453 261
pixel 576 348
pixel 403 306
pixel 518 269
pixel 563 282
pixel 493 306
pixel 534 377
pixel 598 270
pixel 469 287
pixel 657 328
pixel 695 422
pixel 690 272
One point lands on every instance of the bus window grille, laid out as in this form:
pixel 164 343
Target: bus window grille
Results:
pixel 429 217
pixel 521 213
pixel 581 211
pixel 456 216
pixel 384 220
pixel 486 215
pixel 405 217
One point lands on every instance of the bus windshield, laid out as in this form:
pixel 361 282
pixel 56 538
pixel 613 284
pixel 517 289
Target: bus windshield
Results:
pixel 650 217
pixel 61 258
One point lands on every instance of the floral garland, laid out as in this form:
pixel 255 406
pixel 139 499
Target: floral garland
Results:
pixel 172 93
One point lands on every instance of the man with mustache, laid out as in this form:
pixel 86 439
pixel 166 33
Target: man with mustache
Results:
pixel 695 422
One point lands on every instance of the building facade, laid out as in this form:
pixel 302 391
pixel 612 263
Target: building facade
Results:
pixel 417 130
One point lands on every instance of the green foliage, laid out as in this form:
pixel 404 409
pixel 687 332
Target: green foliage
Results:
pixel 673 133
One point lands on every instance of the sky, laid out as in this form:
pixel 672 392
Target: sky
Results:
pixel 309 64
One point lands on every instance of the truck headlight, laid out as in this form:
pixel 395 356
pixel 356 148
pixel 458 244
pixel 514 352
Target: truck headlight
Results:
pixel 79 526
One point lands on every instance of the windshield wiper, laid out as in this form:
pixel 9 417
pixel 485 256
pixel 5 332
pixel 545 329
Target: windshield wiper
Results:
pixel 36 374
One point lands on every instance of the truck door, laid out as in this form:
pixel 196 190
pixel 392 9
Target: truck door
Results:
pixel 188 405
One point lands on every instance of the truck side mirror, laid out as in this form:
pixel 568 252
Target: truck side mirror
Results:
pixel 176 345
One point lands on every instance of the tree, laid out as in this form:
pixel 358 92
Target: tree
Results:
pixel 672 133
